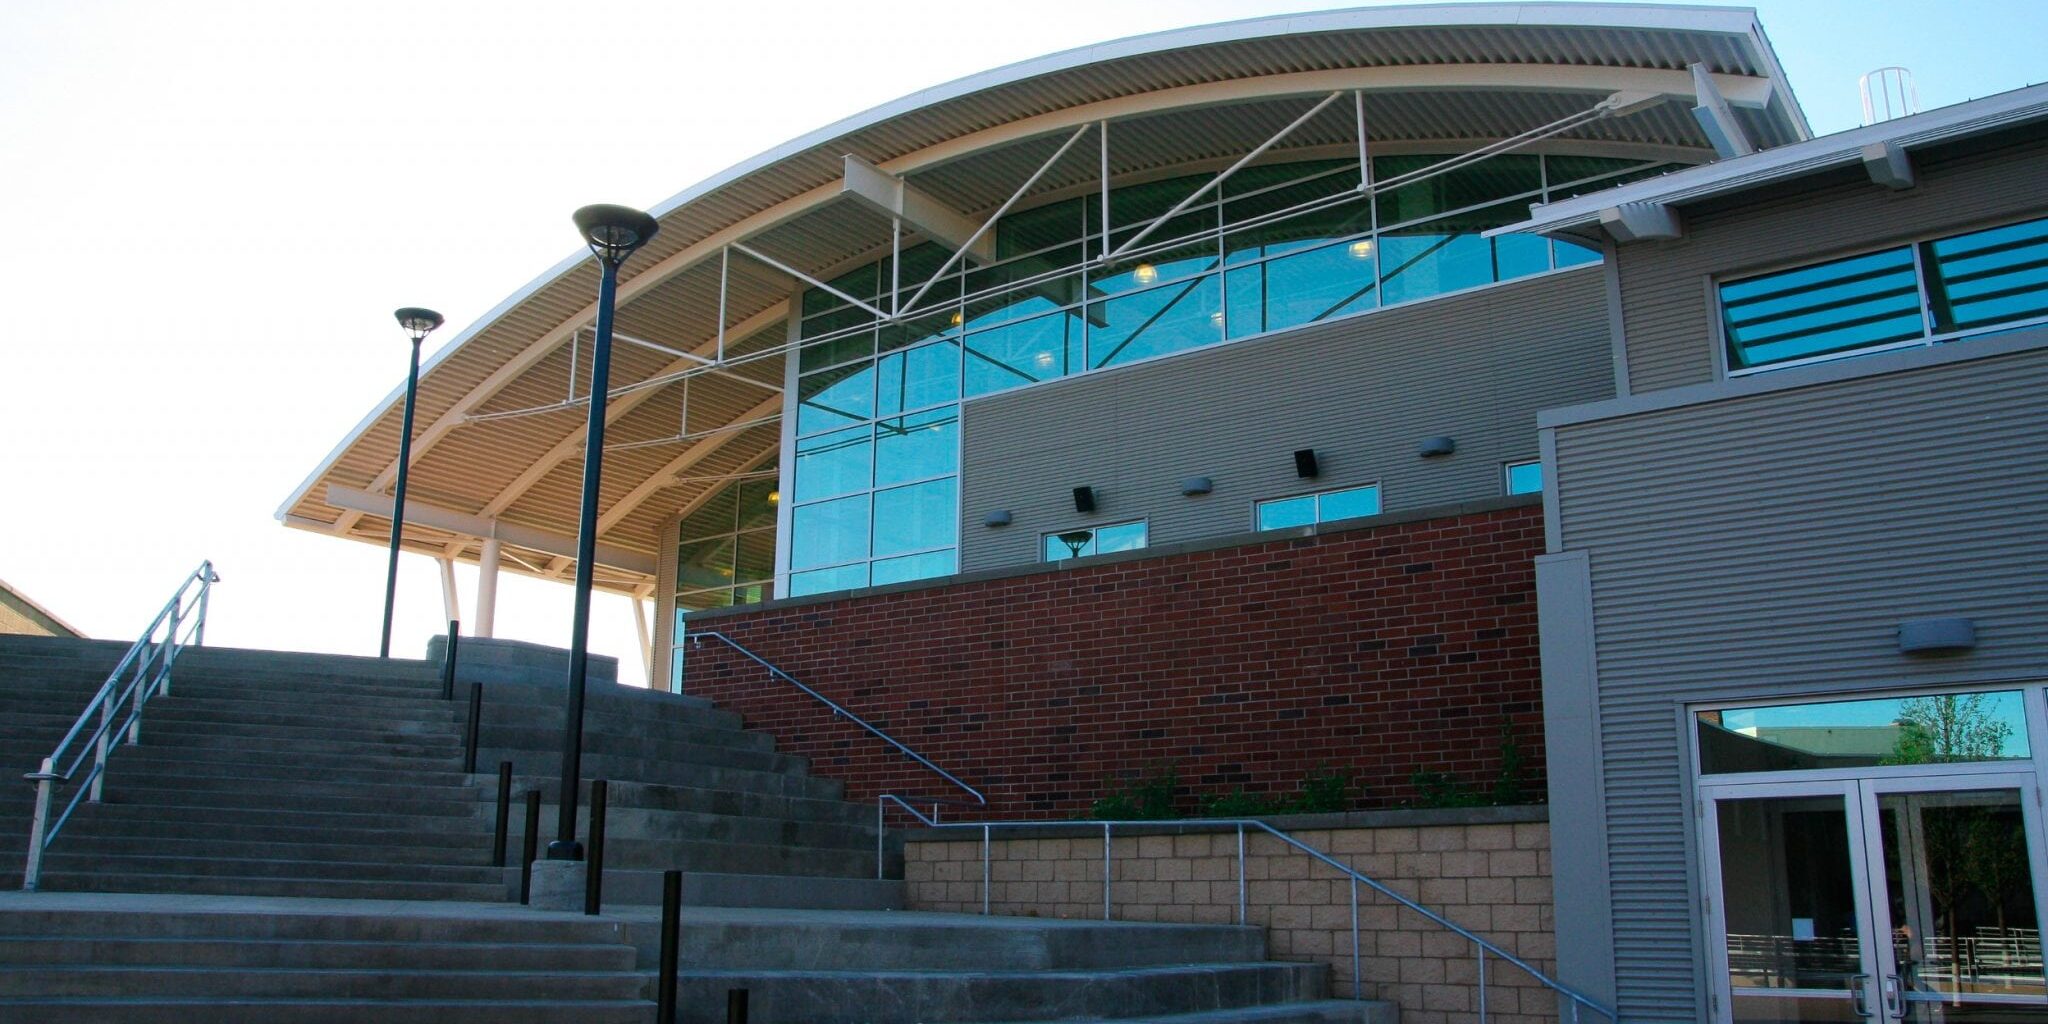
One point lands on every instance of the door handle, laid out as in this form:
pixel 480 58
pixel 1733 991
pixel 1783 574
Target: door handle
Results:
pixel 1894 998
pixel 1859 999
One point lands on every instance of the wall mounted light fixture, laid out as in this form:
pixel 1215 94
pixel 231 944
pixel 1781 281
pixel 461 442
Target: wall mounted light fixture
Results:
pixel 1000 517
pixel 1436 447
pixel 1084 499
pixel 1194 485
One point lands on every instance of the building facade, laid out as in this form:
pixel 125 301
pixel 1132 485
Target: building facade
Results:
pixel 1467 404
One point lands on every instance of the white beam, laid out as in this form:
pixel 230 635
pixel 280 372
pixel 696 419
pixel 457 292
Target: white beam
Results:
pixel 1635 222
pixel 692 455
pixel 646 641
pixel 487 587
pixel 897 198
pixel 1888 164
pixel 367 503
pixel 616 407
pixel 1715 117
pixel 451 603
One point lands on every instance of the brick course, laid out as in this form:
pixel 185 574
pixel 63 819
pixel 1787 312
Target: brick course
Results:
pixel 1382 651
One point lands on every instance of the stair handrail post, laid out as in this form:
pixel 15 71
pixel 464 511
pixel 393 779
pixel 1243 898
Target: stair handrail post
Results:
pixel 472 724
pixel 504 814
pixel 593 868
pixel 99 749
pixel 38 824
pixel 448 660
pixel 207 578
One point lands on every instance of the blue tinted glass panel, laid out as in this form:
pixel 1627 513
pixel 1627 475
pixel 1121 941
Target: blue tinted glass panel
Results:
pixel 1935 729
pixel 835 398
pixel 915 447
pixel 925 515
pixel 1120 537
pixel 821 581
pixel 829 532
pixel 1832 307
pixel 1348 504
pixel 923 566
pixel 1525 478
pixel 1520 255
pixel 1247 288
pixel 1317 284
pixel 856 344
pixel 834 463
pixel 1025 352
pixel 704 563
pixel 1285 512
pixel 754 561
pixel 1151 270
pixel 918 377
pixel 1417 266
pixel 1572 254
pixel 1989 277
pixel 1169 319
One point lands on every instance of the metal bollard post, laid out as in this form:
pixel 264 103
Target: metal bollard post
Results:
pixel 593 869
pixel 448 661
pixel 476 712
pixel 735 1006
pixel 531 846
pixel 504 814
pixel 671 914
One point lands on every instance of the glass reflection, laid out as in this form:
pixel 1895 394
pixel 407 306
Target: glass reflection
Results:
pixel 1948 728
pixel 1960 887
pixel 1789 907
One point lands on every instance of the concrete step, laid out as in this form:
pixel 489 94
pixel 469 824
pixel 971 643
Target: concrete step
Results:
pixel 23 950
pixel 99 827
pixel 103 881
pixel 169 917
pixel 627 887
pixel 379 983
pixel 737 858
pixel 189 778
pixel 166 792
pixel 309 845
pixel 151 815
pixel 61 860
pixel 242 1010
pixel 693 800
pixel 1322 1011
pixel 644 761
pixel 903 997
pixel 364 716
pixel 167 721
pixel 428 771
pixel 950 942
pixel 421 747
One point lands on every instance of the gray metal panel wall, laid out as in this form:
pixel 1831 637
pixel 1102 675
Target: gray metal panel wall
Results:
pixel 1362 392
pixel 1769 545
pixel 1664 285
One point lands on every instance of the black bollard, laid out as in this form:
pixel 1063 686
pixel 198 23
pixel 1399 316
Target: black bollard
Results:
pixel 504 814
pixel 735 1006
pixel 671 921
pixel 593 868
pixel 532 846
pixel 448 662
pixel 476 713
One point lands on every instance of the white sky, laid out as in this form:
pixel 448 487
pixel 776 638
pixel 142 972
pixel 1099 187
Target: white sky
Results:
pixel 209 210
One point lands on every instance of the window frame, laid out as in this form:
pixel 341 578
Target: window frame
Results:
pixel 1379 497
pixel 1507 477
pixel 1048 535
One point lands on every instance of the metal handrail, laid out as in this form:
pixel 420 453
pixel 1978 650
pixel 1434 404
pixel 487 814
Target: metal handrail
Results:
pixel 842 712
pixel 1481 944
pixel 183 624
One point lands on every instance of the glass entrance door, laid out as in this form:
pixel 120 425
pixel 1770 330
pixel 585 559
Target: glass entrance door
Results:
pixel 1897 899
pixel 1957 867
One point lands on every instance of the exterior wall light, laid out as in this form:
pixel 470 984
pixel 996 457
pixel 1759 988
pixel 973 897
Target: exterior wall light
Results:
pixel 1084 499
pixel 1361 249
pixel 1436 447
pixel 418 323
pixel 1305 464
pixel 1144 273
pixel 1197 485
pixel 1937 636
pixel 1000 517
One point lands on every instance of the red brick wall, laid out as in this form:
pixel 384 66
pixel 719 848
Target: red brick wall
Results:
pixel 1379 651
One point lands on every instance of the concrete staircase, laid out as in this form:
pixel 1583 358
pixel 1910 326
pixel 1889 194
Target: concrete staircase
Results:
pixel 294 841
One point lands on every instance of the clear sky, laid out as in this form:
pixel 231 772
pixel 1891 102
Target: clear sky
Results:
pixel 210 210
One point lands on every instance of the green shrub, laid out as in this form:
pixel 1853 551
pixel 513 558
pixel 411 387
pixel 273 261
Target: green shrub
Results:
pixel 1143 799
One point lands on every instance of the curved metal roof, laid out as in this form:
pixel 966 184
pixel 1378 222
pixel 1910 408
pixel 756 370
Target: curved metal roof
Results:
pixel 1438 78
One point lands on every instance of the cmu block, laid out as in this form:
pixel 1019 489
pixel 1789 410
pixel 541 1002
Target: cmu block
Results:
pixel 1243 667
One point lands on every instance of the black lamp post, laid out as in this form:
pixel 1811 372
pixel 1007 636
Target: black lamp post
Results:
pixel 418 323
pixel 613 233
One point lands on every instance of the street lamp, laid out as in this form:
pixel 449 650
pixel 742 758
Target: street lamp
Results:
pixel 613 233
pixel 418 323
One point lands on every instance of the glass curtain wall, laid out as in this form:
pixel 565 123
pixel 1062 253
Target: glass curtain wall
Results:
pixel 725 554
pixel 876 478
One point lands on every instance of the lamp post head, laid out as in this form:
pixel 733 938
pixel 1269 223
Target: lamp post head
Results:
pixel 1075 540
pixel 613 232
pixel 418 322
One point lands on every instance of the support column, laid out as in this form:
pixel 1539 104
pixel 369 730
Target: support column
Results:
pixel 451 607
pixel 646 640
pixel 487 587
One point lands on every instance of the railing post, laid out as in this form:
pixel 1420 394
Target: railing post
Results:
pixel 735 1006
pixel 476 711
pixel 593 869
pixel 99 756
pixel 1240 872
pixel 504 814
pixel 880 808
pixel 530 846
pixel 671 914
pixel 448 660
pixel 1482 985
pixel 37 826
pixel 984 870
pixel 205 591
pixel 1105 871
pixel 1357 979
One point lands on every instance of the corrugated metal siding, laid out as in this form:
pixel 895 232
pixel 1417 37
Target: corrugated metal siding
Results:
pixel 1753 547
pixel 1362 392
pixel 1664 284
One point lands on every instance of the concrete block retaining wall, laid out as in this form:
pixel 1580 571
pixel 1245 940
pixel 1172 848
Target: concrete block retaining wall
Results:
pixel 1488 869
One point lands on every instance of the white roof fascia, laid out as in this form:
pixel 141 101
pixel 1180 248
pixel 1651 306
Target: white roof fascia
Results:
pixel 1841 149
